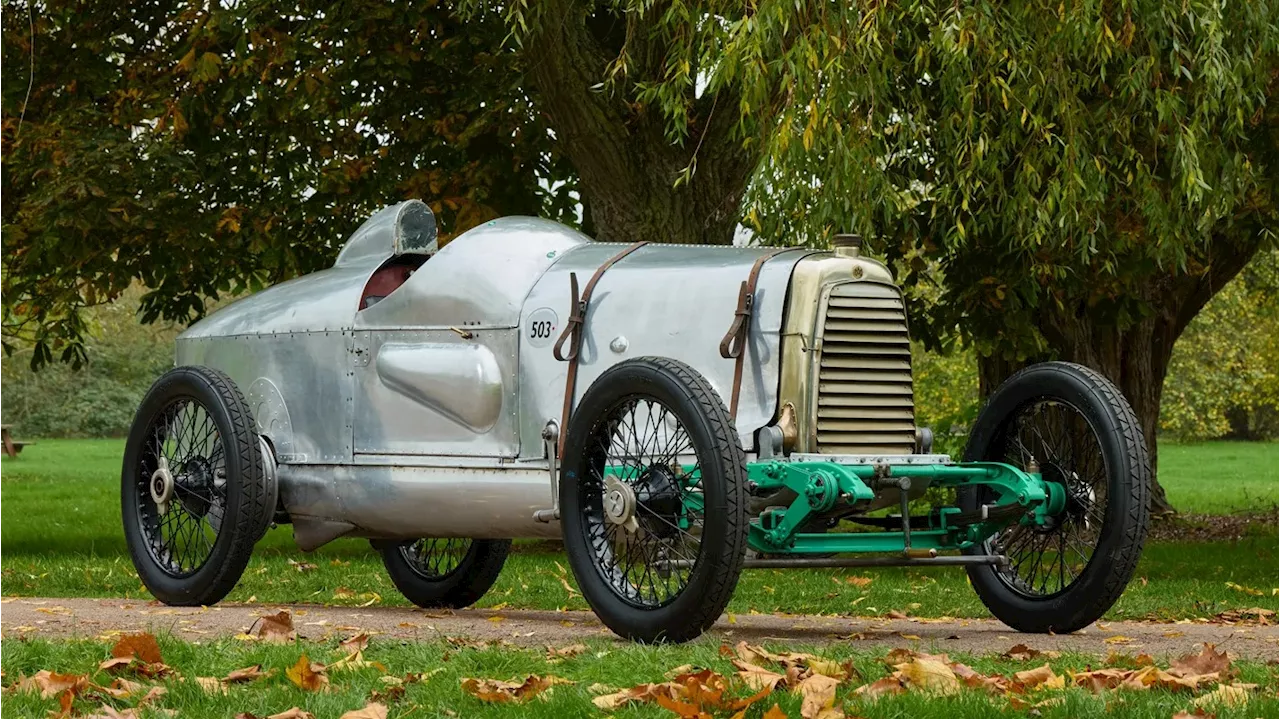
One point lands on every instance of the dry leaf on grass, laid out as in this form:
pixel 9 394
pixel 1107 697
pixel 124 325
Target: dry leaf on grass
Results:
pixel 308 675
pixel 1197 714
pixel 775 712
pixel 351 645
pixel 1207 661
pixel 301 566
pixel 880 687
pixel 572 650
pixel 354 661
pixel 108 712
pixel 122 688
pixel 928 675
pixel 818 692
pixel 496 691
pixel 142 647
pixel 1039 678
pixel 50 683
pixel 293 713
pixel 277 628
pixel 689 694
pixel 1228 695
pixel 247 674
pixel 372 710
pixel 211 685
pixel 1024 653
pixel 757 677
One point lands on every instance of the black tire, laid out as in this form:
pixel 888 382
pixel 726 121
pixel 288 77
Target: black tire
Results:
pixel 195 423
pixel 697 425
pixel 1088 440
pixel 452 573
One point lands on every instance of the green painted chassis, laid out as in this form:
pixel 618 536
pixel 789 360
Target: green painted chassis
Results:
pixel 821 487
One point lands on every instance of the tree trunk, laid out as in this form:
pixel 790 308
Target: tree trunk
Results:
pixel 1136 357
pixel 626 165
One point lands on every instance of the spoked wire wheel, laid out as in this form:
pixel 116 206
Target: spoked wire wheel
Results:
pixel 444 572
pixel 183 473
pixel 642 500
pixel 1076 428
pixel 653 503
pixel 1046 560
pixel 434 558
pixel 196 490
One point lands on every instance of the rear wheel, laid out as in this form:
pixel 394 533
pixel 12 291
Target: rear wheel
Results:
pixel 1078 429
pixel 653 500
pixel 195 493
pixel 439 572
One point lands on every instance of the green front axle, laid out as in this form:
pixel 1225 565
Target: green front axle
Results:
pixel 824 488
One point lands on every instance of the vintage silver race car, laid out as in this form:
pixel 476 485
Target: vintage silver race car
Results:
pixel 674 413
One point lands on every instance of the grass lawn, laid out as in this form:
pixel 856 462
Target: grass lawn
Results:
pixel 61 536
pixel 1220 477
pixel 603 667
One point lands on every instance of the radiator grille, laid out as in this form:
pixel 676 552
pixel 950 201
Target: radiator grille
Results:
pixel 864 373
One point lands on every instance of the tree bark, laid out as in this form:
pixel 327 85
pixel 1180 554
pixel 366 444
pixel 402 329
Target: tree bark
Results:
pixel 1135 357
pixel 626 164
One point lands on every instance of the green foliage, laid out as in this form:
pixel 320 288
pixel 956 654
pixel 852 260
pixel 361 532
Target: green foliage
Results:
pixel 946 395
pixel 204 149
pixel 99 398
pixel 1222 379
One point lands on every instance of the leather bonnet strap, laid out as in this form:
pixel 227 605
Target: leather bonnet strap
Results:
pixel 734 344
pixel 573 335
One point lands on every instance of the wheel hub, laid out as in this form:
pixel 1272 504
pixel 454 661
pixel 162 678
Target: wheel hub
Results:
pixel 161 486
pixel 620 504
pixel 196 481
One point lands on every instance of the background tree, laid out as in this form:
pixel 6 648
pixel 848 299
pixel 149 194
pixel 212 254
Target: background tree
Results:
pixel 1082 178
pixel 208 148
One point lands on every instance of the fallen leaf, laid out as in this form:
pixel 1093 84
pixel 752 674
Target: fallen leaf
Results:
pixel 757 677
pixel 858 581
pixel 1197 714
pixel 308 675
pixel 895 614
pixel 775 713
pixel 247 674
pixel 277 628
pixel 115 664
pixel 1118 639
pixel 975 680
pixel 1038 678
pixel 495 691
pixel 929 675
pixel 1207 661
pixel 1246 590
pixel 880 687
pixel 572 650
pixel 1100 680
pixel 122 688
pixel 833 669
pixel 211 685
pixel 357 643
pixel 1023 653
pixel 107 712
pixel 818 692
pixel 294 713
pixel 142 647
pixel 1228 695
pixel 51 683
pixel 301 566
pixel 372 710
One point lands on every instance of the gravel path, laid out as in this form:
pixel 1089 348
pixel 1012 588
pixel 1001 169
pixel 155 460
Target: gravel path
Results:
pixel 63 617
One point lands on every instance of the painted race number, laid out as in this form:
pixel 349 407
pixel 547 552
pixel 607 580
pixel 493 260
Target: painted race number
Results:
pixel 540 328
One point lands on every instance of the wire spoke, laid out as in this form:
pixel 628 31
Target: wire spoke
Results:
pixel 1047 560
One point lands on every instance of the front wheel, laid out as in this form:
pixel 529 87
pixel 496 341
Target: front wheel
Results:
pixel 1078 429
pixel 436 572
pixel 653 500
pixel 195 490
